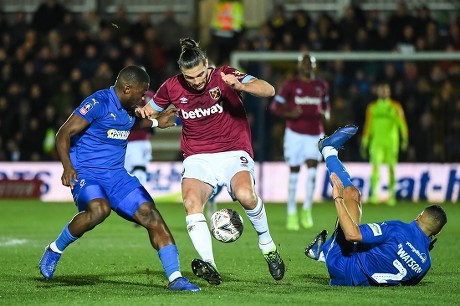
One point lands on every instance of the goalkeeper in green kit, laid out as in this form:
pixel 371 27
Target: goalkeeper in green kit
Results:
pixel 384 126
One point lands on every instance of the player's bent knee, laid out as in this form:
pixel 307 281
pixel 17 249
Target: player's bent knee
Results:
pixel 148 214
pixel 246 197
pixel 192 205
pixel 99 209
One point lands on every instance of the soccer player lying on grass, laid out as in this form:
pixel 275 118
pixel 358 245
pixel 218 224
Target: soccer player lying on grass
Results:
pixel 91 145
pixel 385 253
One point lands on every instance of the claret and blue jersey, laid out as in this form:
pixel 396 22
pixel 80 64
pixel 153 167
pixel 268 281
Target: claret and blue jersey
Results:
pixel 108 132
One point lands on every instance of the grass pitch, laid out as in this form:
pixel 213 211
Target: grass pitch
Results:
pixel 115 265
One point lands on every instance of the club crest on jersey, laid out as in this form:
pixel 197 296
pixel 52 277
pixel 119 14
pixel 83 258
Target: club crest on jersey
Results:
pixel 215 93
pixel 86 108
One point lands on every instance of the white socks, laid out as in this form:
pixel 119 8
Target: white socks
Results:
pixel 292 191
pixel 311 179
pixel 201 237
pixel 258 218
pixel 54 248
pixel 328 151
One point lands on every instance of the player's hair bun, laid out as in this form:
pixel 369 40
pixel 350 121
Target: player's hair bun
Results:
pixel 188 43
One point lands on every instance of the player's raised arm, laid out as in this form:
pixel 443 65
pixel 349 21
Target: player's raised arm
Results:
pixel 349 226
pixel 72 126
pixel 254 86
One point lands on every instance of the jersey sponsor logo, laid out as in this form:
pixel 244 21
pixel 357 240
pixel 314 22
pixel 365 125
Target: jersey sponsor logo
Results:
pixel 94 101
pixel 200 112
pixel 307 100
pixel 86 108
pixel 410 262
pixel 215 93
pixel 375 228
pixel 183 100
pixel 116 134
pixel 113 116
pixel 420 255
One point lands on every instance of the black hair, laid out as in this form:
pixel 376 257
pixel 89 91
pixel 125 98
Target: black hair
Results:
pixel 191 54
pixel 307 57
pixel 438 215
pixel 133 75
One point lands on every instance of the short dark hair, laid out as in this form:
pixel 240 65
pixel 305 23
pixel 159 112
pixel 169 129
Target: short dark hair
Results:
pixel 306 57
pixel 191 54
pixel 438 216
pixel 133 75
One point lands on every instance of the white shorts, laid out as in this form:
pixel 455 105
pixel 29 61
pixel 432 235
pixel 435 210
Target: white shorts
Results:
pixel 300 147
pixel 138 153
pixel 218 169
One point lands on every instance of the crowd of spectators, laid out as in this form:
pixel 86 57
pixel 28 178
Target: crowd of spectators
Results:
pixel 52 62
pixel 426 90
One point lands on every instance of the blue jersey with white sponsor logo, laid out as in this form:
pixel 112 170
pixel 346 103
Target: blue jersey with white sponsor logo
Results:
pixel 393 252
pixel 102 145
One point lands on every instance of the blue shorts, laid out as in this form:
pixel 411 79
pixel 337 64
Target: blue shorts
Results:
pixel 124 192
pixel 342 262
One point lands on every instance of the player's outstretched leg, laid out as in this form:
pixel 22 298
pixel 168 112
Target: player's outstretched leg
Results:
pixel 259 221
pixel 206 271
pixel 328 146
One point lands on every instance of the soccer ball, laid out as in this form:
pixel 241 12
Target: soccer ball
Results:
pixel 226 225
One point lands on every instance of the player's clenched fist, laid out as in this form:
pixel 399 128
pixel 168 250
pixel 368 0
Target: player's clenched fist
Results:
pixel 231 80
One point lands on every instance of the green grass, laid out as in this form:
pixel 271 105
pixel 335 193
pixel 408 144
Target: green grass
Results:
pixel 115 265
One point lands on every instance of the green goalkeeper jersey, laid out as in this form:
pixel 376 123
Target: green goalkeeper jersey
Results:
pixel 384 124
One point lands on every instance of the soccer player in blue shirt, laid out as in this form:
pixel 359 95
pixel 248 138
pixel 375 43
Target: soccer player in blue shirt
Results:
pixel 374 254
pixel 91 145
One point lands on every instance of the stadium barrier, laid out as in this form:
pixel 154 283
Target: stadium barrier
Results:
pixel 20 189
pixel 415 181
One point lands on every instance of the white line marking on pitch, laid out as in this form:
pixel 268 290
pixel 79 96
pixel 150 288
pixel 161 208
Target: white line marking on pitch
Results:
pixel 10 242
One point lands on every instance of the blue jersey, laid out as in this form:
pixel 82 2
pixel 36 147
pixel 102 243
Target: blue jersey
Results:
pixel 101 146
pixel 390 253
pixel 394 252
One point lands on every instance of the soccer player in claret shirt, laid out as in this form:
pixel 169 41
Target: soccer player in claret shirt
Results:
pixel 216 143
pixel 385 125
pixel 91 145
pixel 304 103
pixel 375 254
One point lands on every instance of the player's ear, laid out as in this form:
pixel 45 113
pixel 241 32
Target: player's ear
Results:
pixel 127 89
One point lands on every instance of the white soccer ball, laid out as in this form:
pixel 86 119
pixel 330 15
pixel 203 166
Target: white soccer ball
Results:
pixel 226 225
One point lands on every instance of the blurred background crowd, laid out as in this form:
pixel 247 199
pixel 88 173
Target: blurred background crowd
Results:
pixel 53 57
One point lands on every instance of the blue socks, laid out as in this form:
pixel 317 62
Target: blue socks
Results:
pixel 169 257
pixel 64 239
pixel 334 165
